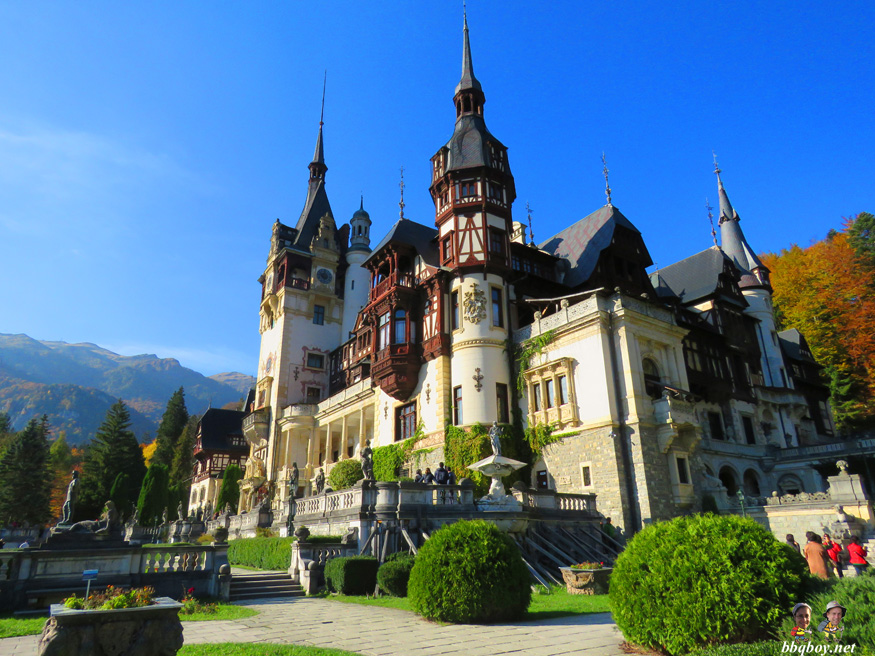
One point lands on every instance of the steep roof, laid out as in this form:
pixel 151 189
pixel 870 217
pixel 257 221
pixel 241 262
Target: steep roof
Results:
pixel 581 243
pixel 420 237
pixel 315 207
pixel 217 426
pixel 468 147
pixel 794 346
pixel 733 242
pixel 693 278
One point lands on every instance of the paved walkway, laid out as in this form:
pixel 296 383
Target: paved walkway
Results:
pixel 377 631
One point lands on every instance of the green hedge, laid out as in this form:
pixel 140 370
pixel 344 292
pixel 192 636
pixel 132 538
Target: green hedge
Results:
pixel 261 553
pixel 772 648
pixel 701 580
pixel 857 594
pixel 345 474
pixel 394 574
pixel 353 575
pixel 470 572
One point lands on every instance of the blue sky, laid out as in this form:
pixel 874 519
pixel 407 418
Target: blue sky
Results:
pixel 147 148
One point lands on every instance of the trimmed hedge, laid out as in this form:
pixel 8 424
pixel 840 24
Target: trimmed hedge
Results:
pixel 470 572
pixel 352 575
pixel 772 648
pixel 394 574
pixel 701 580
pixel 261 553
pixel 857 594
pixel 345 474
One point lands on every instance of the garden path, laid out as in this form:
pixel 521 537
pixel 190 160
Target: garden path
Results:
pixel 377 631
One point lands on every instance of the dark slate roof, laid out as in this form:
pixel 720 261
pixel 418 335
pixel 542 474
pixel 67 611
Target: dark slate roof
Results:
pixel 217 425
pixel 421 238
pixel 581 243
pixel 793 344
pixel 733 242
pixel 691 279
pixel 468 80
pixel 468 145
pixel 315 208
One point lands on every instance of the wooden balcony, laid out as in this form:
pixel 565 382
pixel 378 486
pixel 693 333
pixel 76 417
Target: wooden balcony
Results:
pixel 396 369
pixel 394 279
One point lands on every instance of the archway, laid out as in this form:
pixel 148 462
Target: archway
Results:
pixel 751 483
pixel 729 480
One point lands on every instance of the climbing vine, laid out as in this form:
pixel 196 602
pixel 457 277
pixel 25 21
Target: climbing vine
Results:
pixel 390 458
pixel 521 355
pixel 465 447
pixel 539 436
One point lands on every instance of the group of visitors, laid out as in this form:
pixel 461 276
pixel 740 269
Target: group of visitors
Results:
pixel 441 476
pixel 825 555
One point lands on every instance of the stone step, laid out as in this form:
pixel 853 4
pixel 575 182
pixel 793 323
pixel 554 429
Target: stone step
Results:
pixel 262 585
pixel 248 596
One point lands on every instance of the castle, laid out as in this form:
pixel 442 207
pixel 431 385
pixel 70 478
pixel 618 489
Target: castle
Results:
pixel 662 389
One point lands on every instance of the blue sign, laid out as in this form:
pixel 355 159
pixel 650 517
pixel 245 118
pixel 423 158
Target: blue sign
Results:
pixel 89 575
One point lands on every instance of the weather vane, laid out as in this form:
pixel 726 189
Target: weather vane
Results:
pixel 531 232
pixel 716 165
pixel 401 186
pixel 607 184
pixel 711 219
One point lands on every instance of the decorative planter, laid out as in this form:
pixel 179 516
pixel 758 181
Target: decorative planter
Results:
pixel 586 581
pixel 146 631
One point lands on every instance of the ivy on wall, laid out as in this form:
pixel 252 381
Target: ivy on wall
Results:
pixel 389 459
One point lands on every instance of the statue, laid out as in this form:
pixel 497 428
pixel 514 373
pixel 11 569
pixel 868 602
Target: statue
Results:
pixel 495 438
pixel 199 515
pixel 320 481
pixel 179 512
pixel 72 498
pixel 164 517
pixel 843 466
pixel 293 481
pixel 368 461
pixel 107 524
pixel 228 508
pixel 208 510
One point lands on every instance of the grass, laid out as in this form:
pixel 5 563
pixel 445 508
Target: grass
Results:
pixel 261 649
pixel 555 603
pixel 223 612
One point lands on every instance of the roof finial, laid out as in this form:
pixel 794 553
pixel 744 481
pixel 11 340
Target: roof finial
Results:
pixel 711 219
pixel 607 184
pixel 401 186
pixel 531 232
pixel 717 169
pixel 322 113
pixel 362 204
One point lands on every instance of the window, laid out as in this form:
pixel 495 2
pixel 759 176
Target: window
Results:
pixel 495 192
pixel 400 327
pixel 447 247
pixel 501 403
pixel 383 332
pixel 496 241
pixel 467 189
pixel 548 384
pixel 683 471
pixel 497 308
pixel 694 359
pixel 405 422
pixel 563 390
pixel 586 475
pixel 319 315
pixel 315 361
pixel 651 379
pixel 715 421
pixel 454 305
pixel 749 435
pixel 537 396
pixel 457 405
pixel 314 395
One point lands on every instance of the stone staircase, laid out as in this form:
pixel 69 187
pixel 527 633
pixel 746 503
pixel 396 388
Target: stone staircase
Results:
pixel 264 585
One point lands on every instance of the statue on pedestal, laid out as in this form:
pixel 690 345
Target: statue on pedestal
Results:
pixel 72 498
pixel 495 438
pixel 320 481
pixel 368 461
pixel 293 480
pixel 179 512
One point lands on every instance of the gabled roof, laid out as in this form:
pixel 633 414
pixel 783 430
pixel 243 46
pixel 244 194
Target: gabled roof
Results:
pixel 315 207
pixel 420 237
pixel 217 426
pixel 693 278
pixel 581 243
pixel 794 346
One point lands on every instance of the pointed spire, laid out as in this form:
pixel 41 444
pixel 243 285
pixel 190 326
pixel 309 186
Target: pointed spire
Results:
pixel 468 81
pixel 727 213
pixel 401 187
pixel 317 166
pixel 733 243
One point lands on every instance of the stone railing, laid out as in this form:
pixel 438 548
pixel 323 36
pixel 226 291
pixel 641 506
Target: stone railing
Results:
pixel 566 314
pixel 15 536
pixel 551 500
pixel 795 499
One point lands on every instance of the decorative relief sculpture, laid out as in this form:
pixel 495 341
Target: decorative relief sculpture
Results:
pixel 474 305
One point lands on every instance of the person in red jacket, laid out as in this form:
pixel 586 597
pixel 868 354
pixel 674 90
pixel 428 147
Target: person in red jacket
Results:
pixel 858 555
pixel 833 549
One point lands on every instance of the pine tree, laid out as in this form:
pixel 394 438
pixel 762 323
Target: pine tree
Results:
pixel 154 495
pixel 113 450
pixel 25 476
pixel 172 424
pixel 229 493
pixel 120 495
pixel 183 456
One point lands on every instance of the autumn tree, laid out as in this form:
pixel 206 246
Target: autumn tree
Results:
pixel 826 292
pixel 25 476
pixel 172 424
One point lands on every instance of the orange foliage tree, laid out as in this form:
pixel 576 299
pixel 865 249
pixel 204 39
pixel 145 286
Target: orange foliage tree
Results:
pixel 826 292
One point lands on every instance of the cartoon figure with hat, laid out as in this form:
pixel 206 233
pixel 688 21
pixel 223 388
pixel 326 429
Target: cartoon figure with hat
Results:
pixel 831 627
pixel 802 617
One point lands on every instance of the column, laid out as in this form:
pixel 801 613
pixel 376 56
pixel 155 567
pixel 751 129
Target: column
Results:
pixel 342 451
pixel 362 432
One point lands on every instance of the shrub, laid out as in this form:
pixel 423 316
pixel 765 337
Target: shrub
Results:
pixel 857 594
pixel 354 575
pixel 772 648
pixel 469 572
pixel 112 598
pixel 701 580
pixel 394 574
pixel 261 553
pixel 345 474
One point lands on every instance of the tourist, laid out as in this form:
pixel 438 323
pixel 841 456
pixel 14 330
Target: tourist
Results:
pixel 608 528
pixel 833 550
pixel 418 477
pixel 831 627
pixel 440 475
pixel 428 477
pixel 816 556
pixel 792 542
pixel 802 618
pixel 858 555
pixel 451 477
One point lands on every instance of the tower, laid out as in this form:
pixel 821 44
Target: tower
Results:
pixel 473 190
pixel 355 295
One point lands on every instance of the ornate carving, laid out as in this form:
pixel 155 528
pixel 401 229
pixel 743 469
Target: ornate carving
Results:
pixel 474 305
pixel 478 379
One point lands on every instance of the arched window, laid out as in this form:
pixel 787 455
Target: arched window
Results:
pixel 400 332
pixel 789 484
pixel 729 480
pixel 751 483
pixel 652 381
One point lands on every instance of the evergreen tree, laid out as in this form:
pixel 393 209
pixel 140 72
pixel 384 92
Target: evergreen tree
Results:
pixel 172 424
pixel 120 495
pixel 229 493
pixel 113 450
pixel 154 495
pixel 25 477
pixel 6 433
pixel 183 456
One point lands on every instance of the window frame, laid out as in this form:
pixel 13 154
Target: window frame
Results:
pixel 314 354
pixel 497 307
pixel 319 313
pixel 405 421
pixel 457 406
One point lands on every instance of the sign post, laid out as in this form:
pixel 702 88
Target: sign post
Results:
pixel 89 575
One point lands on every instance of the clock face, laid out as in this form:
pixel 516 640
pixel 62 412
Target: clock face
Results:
pixel 268 364
pixel 324 276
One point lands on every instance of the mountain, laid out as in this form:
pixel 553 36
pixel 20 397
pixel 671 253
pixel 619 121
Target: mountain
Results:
pixel 76 383
pixel 240 382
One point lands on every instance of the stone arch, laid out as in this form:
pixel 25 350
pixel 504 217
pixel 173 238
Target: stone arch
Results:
pixel 751 481
pixel 729 477
pixel 790 484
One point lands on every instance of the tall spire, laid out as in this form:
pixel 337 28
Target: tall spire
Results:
pixel 317 166
pixel 468 80
pixel 469 96
pixel 727 213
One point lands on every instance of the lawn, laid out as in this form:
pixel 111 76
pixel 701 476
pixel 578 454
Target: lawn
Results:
pixel 223 612
pixel 555 603
pixel 260 649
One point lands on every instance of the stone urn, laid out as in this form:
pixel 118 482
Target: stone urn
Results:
pixel 221 535
pixel 586 581
pixel 153 630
